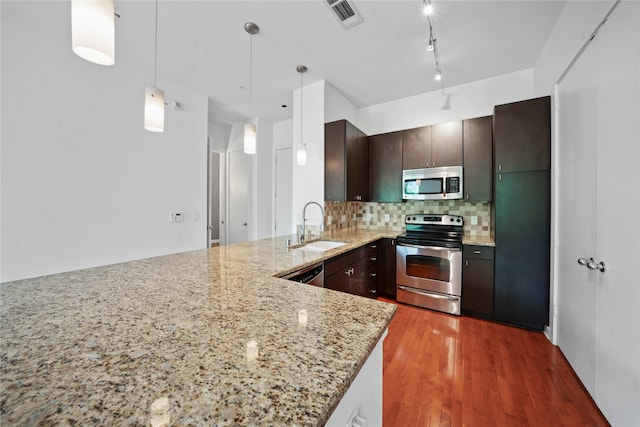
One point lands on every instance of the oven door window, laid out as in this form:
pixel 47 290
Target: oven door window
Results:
pixel 428 267
pixel 423 186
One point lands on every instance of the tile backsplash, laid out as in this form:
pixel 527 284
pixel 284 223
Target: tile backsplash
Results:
pixel 390 216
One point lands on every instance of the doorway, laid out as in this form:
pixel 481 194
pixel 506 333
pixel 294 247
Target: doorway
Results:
pixel 216 230
pixel 283 190
pixel 239 179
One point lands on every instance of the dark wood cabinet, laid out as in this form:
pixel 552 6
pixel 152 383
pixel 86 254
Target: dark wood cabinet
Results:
pixel 346 160
pixel 522 203
pixel 477 280
pixel 385 167
pixel 387 267
pixel 416 148
pixel 446 144
pixel 478 158
pixel 432 146
pixel 522 135
pixel 522 233
pixel 355 272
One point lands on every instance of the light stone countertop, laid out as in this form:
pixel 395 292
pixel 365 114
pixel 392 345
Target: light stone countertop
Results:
pixel 478 240
pixel 100 346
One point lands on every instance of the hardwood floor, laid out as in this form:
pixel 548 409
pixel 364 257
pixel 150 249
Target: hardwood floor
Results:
pixel 442 370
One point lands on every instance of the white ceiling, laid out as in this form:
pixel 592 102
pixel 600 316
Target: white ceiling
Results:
pixel 203 45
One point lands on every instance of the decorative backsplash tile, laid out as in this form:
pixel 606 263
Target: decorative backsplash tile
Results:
pixel 390 216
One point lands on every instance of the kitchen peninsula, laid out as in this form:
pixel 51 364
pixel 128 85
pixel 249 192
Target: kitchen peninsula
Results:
pixel 208 337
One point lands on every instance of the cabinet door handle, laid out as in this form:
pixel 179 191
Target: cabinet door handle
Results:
pixel 477 252
pixel 466 263
pixel 374 291
pixel 374 274
pixel 499 167
pixel 374 246
pixel 373 259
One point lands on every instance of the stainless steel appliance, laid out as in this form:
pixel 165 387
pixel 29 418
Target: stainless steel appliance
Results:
pixel 429 262
pixel 312 275
pixel 443 183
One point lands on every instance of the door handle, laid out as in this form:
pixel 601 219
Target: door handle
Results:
pixel 244 223
pixel 592 264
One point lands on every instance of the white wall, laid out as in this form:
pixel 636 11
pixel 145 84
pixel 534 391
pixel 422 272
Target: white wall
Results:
pixel 308 180
pixel 263 179
pixel 337 107
pixel 83 184
pixel 466 101
pixel 575 24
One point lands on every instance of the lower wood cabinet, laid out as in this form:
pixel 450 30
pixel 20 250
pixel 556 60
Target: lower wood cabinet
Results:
pixel 355 272
pixel 477 280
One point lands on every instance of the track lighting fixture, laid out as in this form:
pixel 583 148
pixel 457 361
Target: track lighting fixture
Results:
pixel 428 7
pixel 431 45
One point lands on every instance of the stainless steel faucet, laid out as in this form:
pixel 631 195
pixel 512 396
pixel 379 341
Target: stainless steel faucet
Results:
pixel 304 219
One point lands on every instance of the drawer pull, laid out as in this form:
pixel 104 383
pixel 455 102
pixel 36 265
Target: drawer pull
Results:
pixel 374 246
pixel 477 252
pixel 373 259
pixel 373 274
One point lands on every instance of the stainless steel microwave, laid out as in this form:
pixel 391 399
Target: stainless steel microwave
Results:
pixel 443 183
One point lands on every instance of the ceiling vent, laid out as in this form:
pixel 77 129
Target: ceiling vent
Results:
pixel 346 12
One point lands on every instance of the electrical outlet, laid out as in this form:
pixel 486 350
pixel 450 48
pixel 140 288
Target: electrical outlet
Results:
pixel 386 217
pixel 176 217
pixel 368 217
pixel 344 218
pixel 474 220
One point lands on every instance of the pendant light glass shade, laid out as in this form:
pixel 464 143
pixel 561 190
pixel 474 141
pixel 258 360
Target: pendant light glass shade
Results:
pixel 154 109
pixel 93 30
pixel 301 155
pixel 250 138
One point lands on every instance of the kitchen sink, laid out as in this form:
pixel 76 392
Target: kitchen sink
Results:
pixel 321 245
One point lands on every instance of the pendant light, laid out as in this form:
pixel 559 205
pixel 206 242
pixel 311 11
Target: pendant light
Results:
pixel 250 128
pixel 301 152
pixel 93 30
pixel 154 96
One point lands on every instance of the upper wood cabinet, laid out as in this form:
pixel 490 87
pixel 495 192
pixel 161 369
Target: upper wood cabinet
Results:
pixel 478 156
pixel 432 146
pixel 385 167
pixel 346 162
pixel 446 144
pixel 522 135
pixel 416 148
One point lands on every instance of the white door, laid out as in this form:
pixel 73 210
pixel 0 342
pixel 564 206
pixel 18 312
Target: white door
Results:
pixel 618 312
pixel 239 173
pixel 577 207
pixel 215 226
pixel 283 193
pixel 599 199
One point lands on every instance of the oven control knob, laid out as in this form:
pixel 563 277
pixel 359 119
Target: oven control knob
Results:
pixel 459 220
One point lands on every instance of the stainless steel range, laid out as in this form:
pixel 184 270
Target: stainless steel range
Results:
pixel 429 262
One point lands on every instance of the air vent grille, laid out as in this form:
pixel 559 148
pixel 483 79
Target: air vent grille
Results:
pixel 346 12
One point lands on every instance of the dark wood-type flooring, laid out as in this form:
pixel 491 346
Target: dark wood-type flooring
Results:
pixel 442 370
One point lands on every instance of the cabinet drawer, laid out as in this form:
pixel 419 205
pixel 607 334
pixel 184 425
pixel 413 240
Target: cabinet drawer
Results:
pixel 478 252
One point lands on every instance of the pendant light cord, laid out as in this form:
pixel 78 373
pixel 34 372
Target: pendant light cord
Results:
pixel 155 64
pixel 301 106
pixel 250 73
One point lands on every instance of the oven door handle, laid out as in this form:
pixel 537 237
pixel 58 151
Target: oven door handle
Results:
pixel 429 294
pixel 434 248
